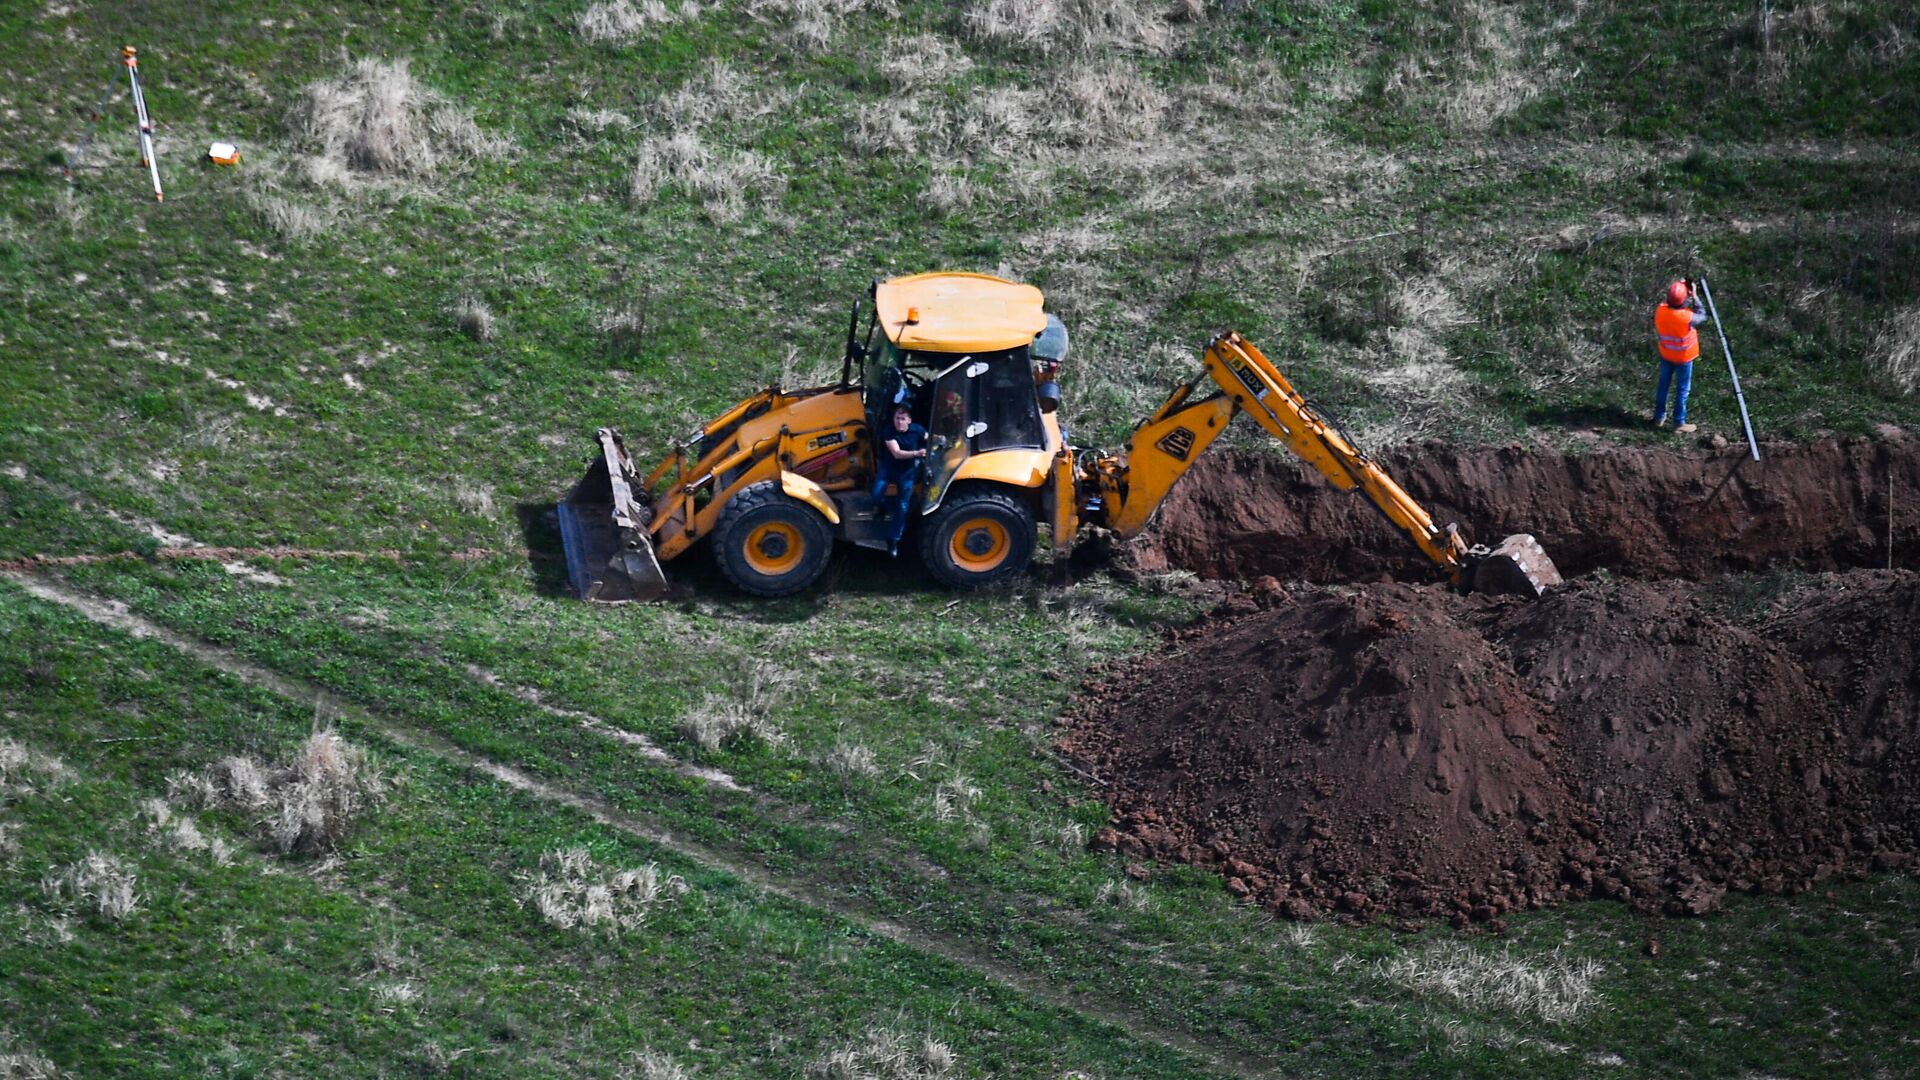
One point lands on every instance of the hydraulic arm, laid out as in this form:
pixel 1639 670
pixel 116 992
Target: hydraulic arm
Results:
pixel 1128 488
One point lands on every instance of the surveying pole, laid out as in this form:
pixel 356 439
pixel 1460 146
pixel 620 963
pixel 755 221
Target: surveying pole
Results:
pixel 129 58
pixel 1753 445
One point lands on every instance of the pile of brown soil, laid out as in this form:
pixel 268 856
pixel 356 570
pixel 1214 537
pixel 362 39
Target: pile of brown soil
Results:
pixel 1400 749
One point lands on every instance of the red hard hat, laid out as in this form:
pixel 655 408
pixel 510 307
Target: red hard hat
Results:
pixel 1677 294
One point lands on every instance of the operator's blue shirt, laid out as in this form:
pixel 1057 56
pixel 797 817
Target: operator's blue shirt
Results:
pixel 909 440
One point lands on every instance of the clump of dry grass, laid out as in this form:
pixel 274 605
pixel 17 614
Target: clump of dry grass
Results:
pixel 745 712
pixel 888 1055
pixel 953 798
pixel 597 121
pixel 813 23
pixel 1123 894
pixel 101 883
pixel 717 722
pixel 951 192
pixel 622 21
pixel 378 119
pixel 294 221
pixel 473 497
pixel 1497 65
pixel 1069 840
pixel 1556 988
pixel 1078 107
pixel 306 806
pixel 571 890
pixel 922 61
pixel 1897 349
pixel 651 1064
pixel 718 93
pixel 25 771
pixel 180 833
pixel 1050 26
pixel 626 329
pixel 9 841
pixel 19 1064
pixel 722 182
pixel 1107 104
pixel 851 759
pixel 473 318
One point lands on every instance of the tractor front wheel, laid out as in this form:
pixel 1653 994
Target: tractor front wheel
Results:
pixel 978 537
pixel 771 544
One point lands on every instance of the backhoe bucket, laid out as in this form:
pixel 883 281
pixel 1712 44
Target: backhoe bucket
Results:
pixel 603 528
pixel 1518 567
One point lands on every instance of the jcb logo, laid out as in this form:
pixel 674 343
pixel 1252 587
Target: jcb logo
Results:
pixel 1177 444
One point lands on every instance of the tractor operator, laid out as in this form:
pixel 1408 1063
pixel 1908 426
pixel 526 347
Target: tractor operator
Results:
pixel 1677 325
pixel 899 454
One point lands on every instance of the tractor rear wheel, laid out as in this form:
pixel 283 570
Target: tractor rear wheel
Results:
pixel 769 543
pixel 978 537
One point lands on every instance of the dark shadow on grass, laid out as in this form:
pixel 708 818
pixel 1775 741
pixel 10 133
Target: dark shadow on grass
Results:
pixel 1585 416
pixel 546 558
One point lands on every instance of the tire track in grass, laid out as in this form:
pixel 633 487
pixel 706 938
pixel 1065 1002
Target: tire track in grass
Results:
pixel 1227 1059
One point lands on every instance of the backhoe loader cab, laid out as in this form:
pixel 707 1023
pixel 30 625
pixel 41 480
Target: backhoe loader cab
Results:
pixel 778 479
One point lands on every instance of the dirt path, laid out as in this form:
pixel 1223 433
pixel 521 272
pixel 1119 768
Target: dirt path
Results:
pixel 1225 1059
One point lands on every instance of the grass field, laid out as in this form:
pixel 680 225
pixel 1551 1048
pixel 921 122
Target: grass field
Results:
pixel 391 331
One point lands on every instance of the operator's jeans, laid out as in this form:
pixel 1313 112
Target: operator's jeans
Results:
pixel 894 511
pixel 1681 374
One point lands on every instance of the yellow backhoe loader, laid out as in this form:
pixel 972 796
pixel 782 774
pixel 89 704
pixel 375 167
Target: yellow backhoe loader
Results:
pixel 776 480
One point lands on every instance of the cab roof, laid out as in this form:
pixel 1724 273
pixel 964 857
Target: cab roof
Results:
pixel 957 312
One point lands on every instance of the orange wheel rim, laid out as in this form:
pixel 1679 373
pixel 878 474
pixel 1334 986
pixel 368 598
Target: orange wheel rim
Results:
pixel 979 544
pixel 774 548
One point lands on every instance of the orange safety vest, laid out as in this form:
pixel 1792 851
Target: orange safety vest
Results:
pixel 1679 341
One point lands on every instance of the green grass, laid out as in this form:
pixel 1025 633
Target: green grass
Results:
pixel 1342 181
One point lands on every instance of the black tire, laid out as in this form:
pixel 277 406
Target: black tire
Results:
pixel 980 536
pixel 769 543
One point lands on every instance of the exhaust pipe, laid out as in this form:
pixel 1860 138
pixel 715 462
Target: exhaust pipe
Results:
pixel 603 528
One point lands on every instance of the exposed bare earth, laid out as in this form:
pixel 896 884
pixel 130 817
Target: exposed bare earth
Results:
pixel 1396 749
pixel 1640 512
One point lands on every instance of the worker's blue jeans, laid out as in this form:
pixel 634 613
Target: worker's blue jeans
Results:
pixel 1681 375
pixel 894 511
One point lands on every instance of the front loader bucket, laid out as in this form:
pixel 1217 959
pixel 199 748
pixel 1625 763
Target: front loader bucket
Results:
pixel 1518 567
pixel 603 528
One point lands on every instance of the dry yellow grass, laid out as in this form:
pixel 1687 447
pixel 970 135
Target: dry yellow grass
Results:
pixel 304 807
pixel 101 884
pixel 623 21
pixel 722 182
pixel 1556 988
pixel 1897 349
pixel 376 119
pixel 571 891
pixel 1050 26
pixel 887 1055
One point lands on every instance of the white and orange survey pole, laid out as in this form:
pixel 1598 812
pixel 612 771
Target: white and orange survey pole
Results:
pixel 130 59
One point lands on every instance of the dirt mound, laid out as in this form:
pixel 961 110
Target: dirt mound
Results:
pixel 1399 749
pixel 1643 512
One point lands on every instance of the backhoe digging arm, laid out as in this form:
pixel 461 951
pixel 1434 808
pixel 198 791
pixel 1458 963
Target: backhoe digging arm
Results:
pixel 1129 487
pixel 1258 387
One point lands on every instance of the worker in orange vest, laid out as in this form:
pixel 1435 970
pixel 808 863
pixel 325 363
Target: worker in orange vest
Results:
pixel 1677 324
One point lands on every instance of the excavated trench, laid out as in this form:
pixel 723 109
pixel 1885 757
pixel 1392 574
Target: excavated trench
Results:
pixel 1362 741
pixel 1650 514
